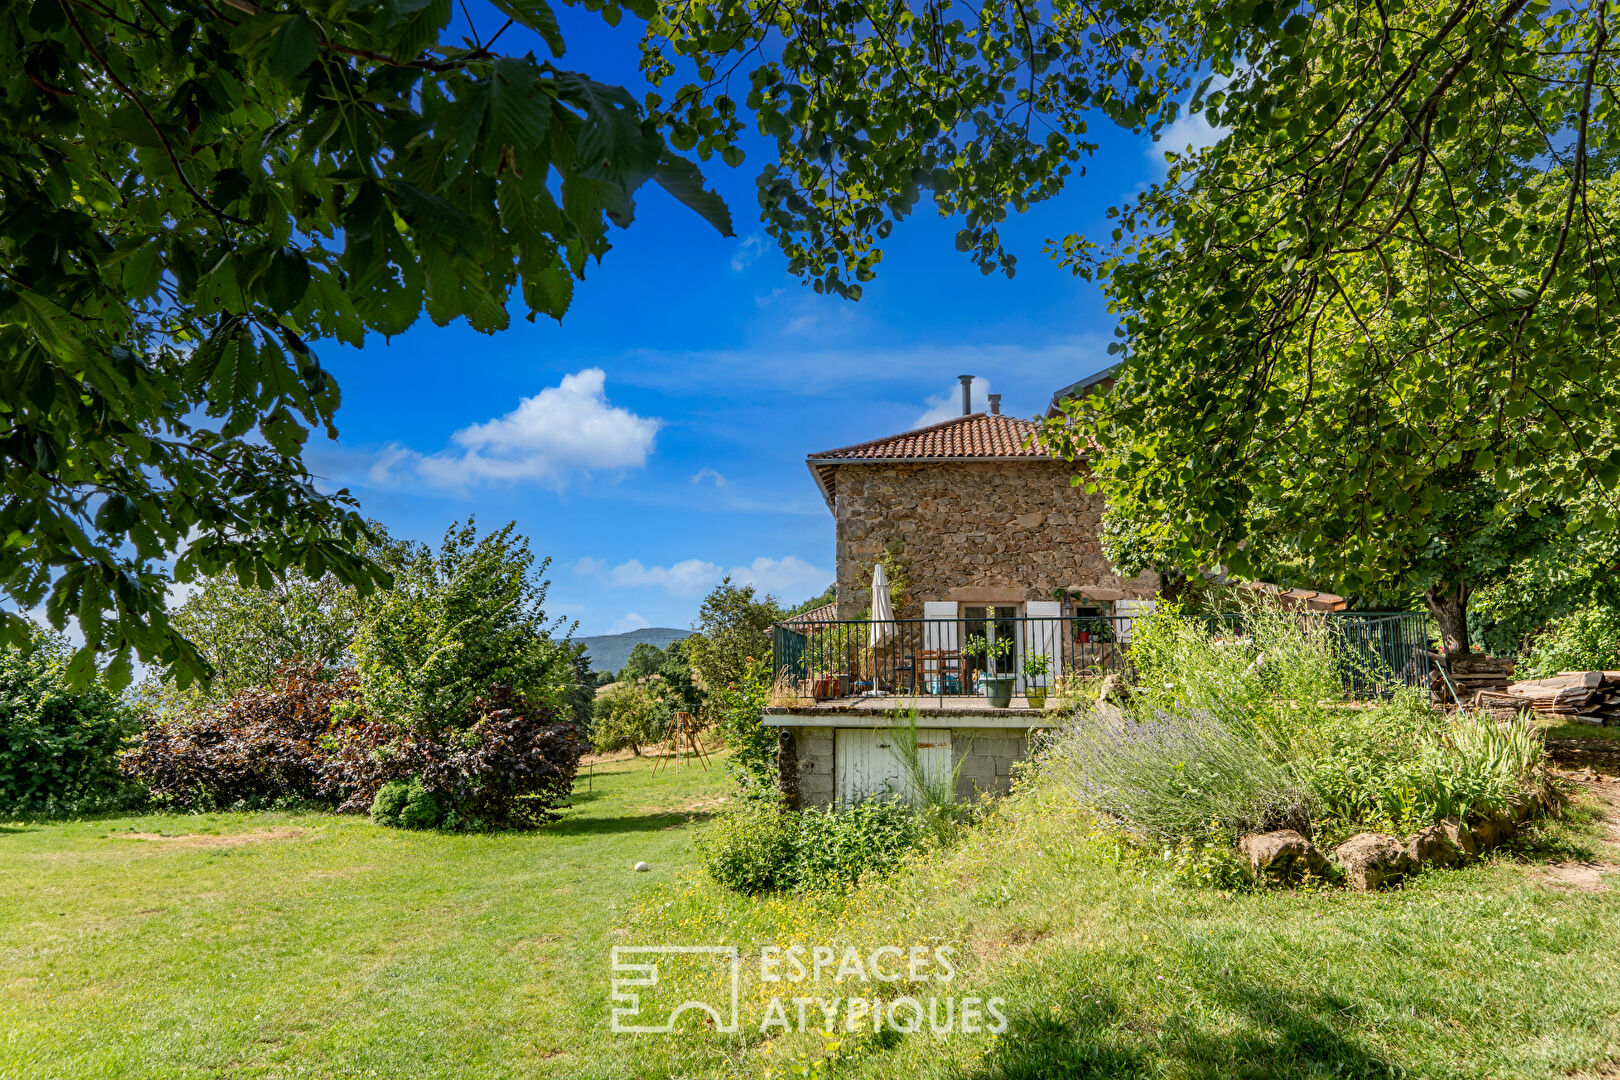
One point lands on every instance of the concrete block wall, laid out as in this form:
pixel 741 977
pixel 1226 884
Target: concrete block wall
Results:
pixel 986 757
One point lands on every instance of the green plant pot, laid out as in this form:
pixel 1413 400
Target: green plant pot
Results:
pixel 997 689
pixel 1036 696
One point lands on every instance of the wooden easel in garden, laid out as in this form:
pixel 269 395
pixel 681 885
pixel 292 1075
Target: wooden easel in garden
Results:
pixel 683 726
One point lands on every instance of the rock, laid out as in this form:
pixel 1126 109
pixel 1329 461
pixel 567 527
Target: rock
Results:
pixel 1432 846
pixel 1491 831
pixel 642 868
pixel 1372 860
pixel 1521 808
pixel 1281 854
pixel 1461 836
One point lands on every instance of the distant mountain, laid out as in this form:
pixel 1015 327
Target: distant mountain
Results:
pixel 608 652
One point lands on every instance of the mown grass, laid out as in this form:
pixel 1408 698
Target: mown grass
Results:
pixel 339 949
pixel 346 950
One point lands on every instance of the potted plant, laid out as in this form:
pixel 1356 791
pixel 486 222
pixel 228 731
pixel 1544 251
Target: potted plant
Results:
pixel 1036 665
pixel 997 687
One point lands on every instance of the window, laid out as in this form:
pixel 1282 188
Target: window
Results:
pixel 997 624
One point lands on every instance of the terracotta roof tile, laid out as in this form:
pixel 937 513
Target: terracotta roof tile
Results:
pixel 977 435
pixel 826 613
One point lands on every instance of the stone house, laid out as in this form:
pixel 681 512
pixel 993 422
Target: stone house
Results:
pixel 993 542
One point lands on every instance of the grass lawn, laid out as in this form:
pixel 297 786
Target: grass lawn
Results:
pixel 1576 730
pixel 286 945
pixel 320 945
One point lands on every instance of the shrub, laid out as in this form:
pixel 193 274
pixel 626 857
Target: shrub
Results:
pixel 58 745
pixel 456 622
pixel 1586 640
pixel 262 747
pixel 759 848
pixel 1400 766
pixel 406 804
pixel 390 801
pixel 835 848
pixel 629 715
pixel 1196 775
pixel 750 850
pixel 1231 734
pixel 512 768
pixel 739 708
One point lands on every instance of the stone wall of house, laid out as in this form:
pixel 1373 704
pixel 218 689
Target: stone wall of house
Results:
pixel 977 532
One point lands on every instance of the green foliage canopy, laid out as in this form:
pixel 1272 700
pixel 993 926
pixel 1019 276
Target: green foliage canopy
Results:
pixel 1388 289
pixel 457 621
pixel 195 195
pixel 733 624
pixel 59 743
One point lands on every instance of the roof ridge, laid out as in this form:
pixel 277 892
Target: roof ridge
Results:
pixel 923 432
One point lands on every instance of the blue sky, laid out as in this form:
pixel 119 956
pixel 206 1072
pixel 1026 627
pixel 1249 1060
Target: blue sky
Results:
pixel 655 439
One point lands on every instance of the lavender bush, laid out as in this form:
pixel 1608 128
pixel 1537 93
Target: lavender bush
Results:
pixel 1171 776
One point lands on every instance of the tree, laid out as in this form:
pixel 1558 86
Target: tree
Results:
pixel 196 195
pixel 643 660
pixel 59 742
pixel 1390 285
pixel 628 714
pixel 732 626
pixel 456 622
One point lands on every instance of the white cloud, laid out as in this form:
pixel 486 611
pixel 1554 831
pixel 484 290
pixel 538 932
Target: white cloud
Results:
pixel 589 567
pixel 943 407
pixel 1190 132
pixel 689 577
pixel 630 621
pixel 748 249
pixel 566 428
pixel 788 577
pixel 712 475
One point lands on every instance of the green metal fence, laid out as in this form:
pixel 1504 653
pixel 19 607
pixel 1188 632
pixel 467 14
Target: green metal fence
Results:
pixel 941 657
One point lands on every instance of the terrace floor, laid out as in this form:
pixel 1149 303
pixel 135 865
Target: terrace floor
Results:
pixel 878 709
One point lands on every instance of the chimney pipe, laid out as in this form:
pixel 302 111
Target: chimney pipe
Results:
pixel 967 393
pixel 995 404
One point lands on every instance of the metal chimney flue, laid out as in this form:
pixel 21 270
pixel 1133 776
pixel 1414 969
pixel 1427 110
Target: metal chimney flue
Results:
pixel 967 393
pixel 995 404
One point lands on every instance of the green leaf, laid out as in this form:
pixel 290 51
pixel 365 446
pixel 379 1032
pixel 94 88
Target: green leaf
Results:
pixel 682 179
pixel 537 16
pixel 293 48
pixel 143 270
pixel 49 325
pixel 286 280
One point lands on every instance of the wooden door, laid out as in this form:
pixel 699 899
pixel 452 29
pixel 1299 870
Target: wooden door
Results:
pixel 867 766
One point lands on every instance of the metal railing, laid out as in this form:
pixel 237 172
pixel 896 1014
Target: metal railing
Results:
pixel 946 657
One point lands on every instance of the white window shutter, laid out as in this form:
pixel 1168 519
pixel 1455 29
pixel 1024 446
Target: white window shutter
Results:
pixel 1131 610
pixel 938 634
pixel 1042 634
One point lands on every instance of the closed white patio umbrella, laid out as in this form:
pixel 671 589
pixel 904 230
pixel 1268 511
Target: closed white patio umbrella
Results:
pixel 882 609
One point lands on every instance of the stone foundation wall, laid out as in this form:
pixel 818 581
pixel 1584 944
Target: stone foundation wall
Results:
pixel 985 532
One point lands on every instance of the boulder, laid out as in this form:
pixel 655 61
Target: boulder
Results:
pixel 1278 855
pixel 1372 860
pixel 1462 837
pixel 1491 830
pixel 1432 846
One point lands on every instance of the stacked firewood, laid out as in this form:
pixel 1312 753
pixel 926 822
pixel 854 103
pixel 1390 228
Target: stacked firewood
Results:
pixel 1591 697
pixel 1468 674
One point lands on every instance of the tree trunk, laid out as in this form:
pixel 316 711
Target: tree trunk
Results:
pixel 1449 606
